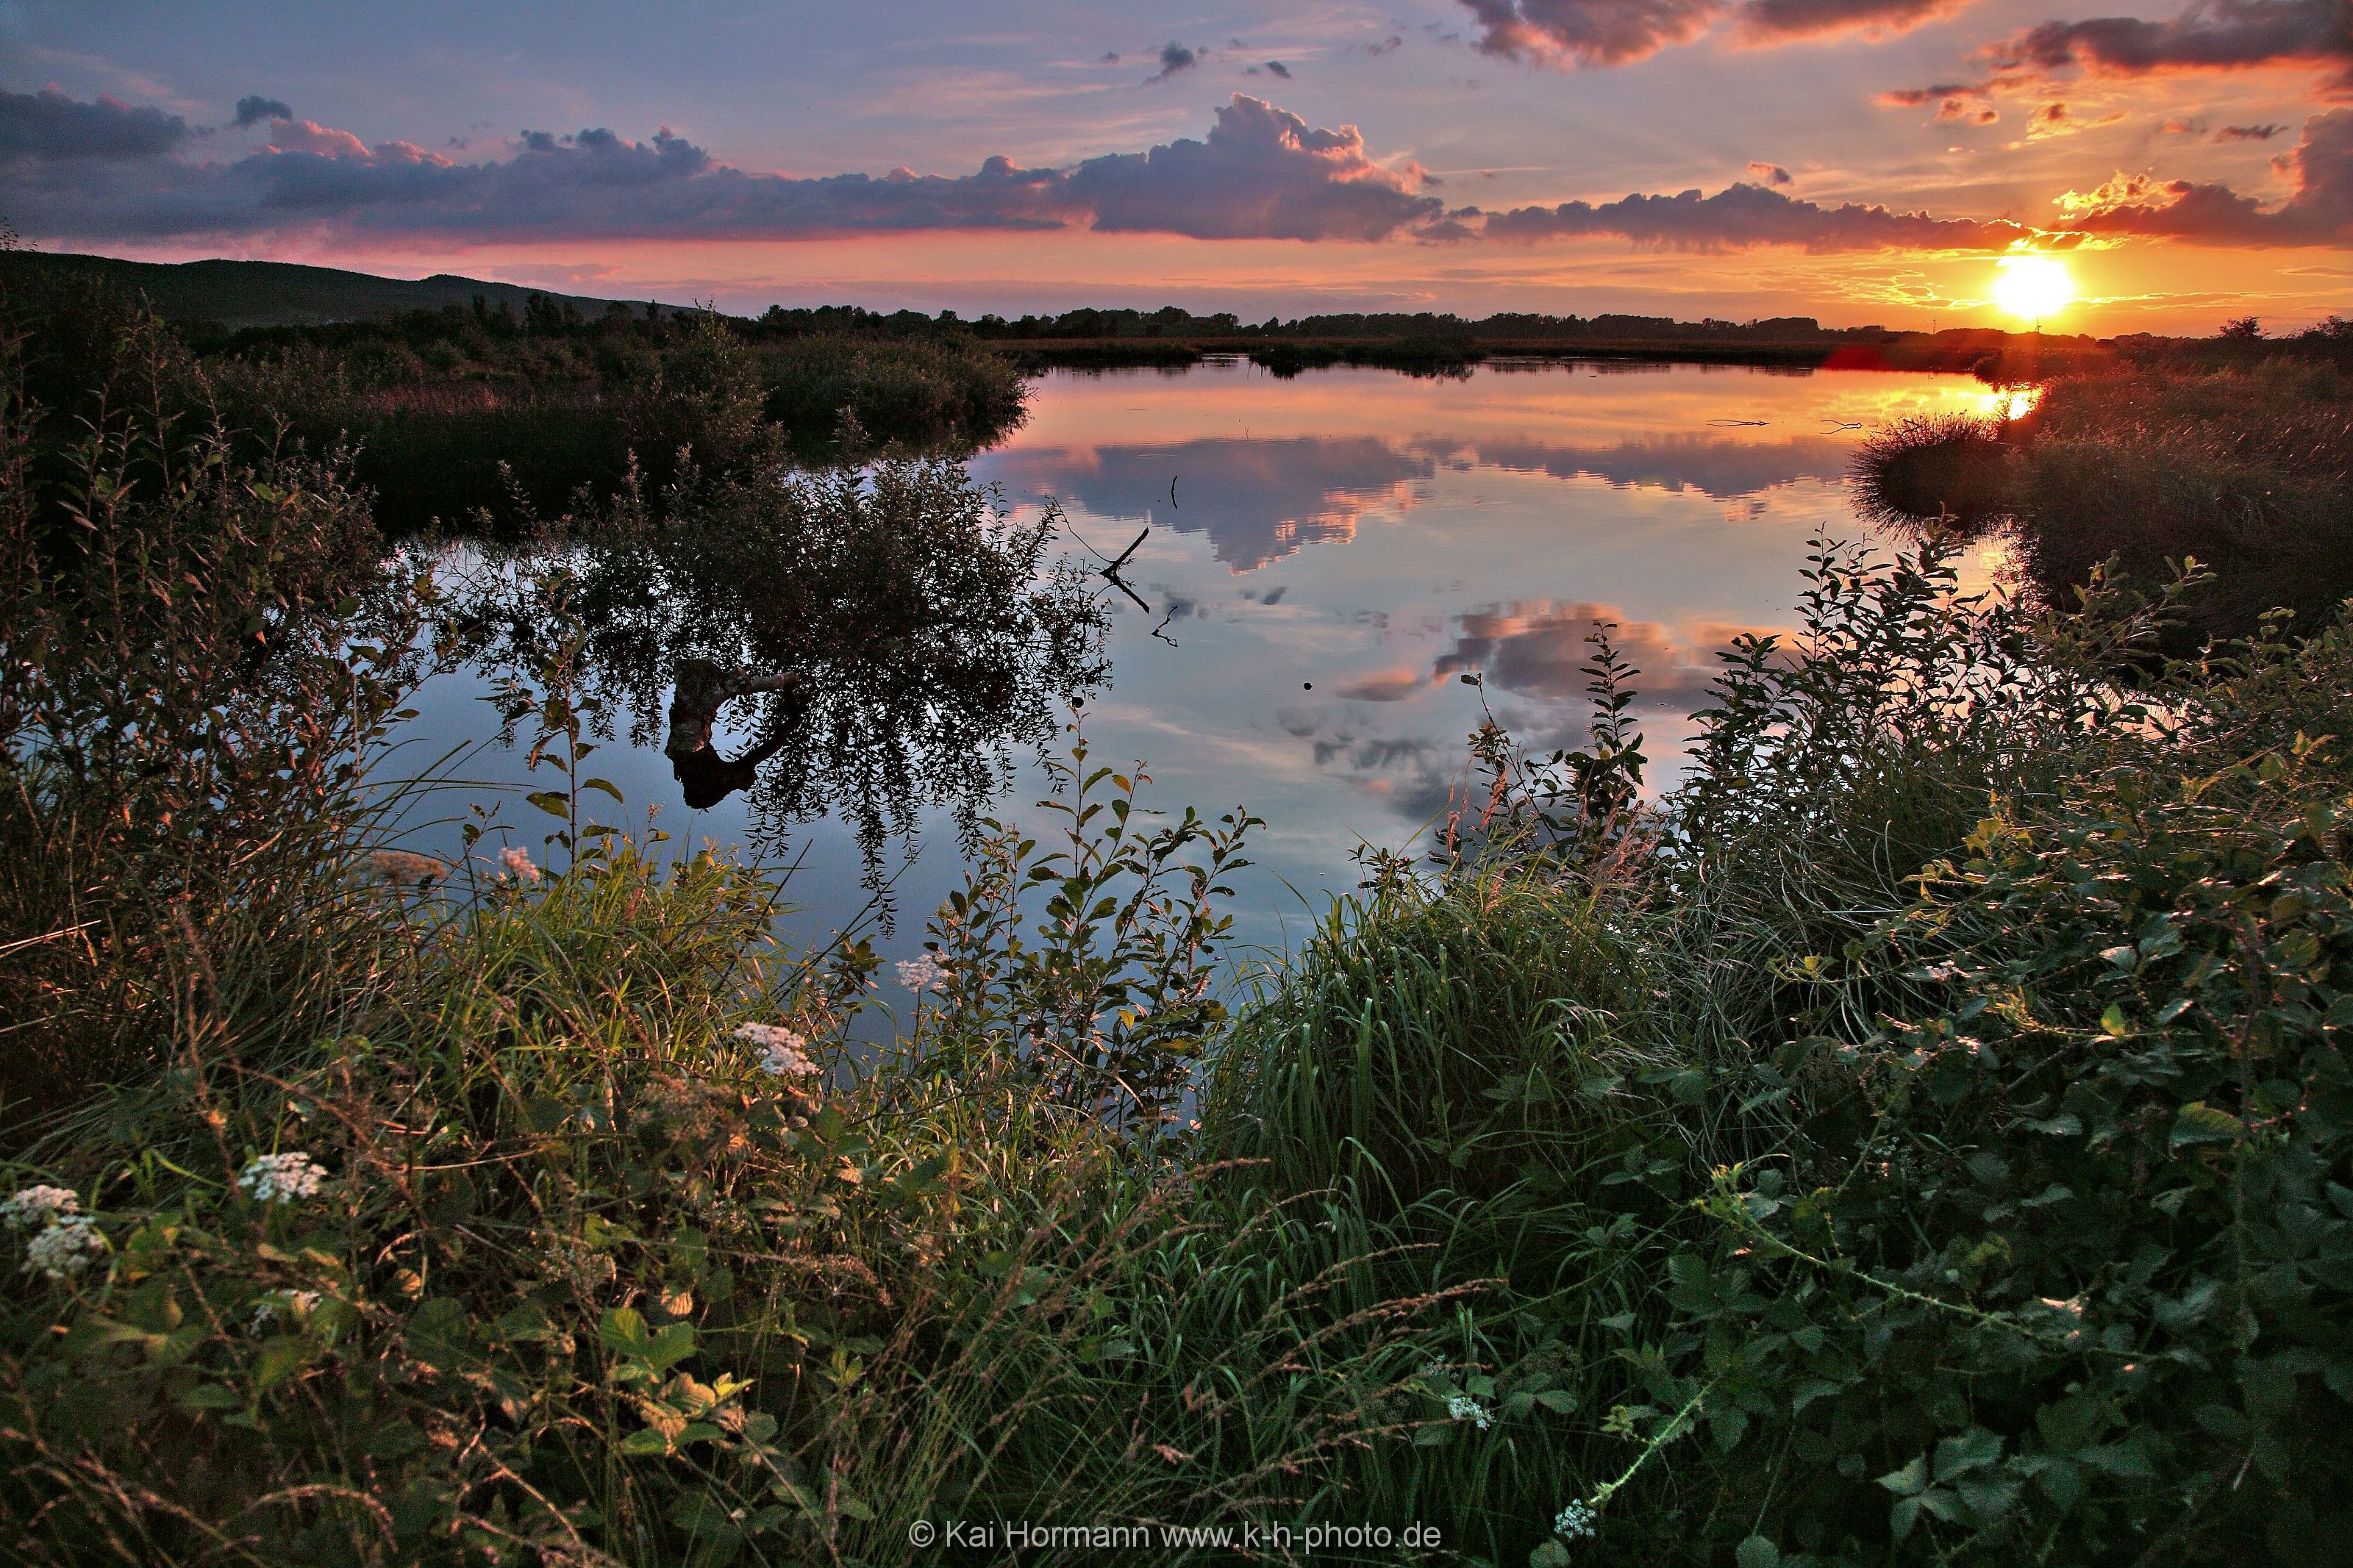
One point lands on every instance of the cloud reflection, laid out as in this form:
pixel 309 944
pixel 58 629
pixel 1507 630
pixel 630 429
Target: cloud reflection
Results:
pixel 1259 501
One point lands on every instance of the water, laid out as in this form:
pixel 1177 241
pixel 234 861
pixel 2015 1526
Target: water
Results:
pixel 1326 556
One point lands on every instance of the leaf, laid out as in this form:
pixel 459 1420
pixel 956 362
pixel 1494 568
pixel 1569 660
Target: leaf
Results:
pixel 1758 1553
pixel 670 1346
pixel 2199 1122
pixel 1548 1553
pixel 639 1444
pixel 552 802
pixel 604 784
pixel 210 1396
pixel 1909 1481
pixel 1971 1449
pixel 623 1329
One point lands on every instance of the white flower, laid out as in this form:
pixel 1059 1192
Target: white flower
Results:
pixel 296 1304
pixel 1462 1407
pixel 282 1178
pixel 1573 1520
pixel 515 861
pixel 923 972
pixel 784 1053
pixel 38 1206
pixel 65 1247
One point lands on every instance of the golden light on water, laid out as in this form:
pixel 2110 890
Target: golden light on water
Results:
pixel 2033 288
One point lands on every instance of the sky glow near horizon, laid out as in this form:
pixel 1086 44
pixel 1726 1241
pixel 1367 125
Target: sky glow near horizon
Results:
pixel 1853 160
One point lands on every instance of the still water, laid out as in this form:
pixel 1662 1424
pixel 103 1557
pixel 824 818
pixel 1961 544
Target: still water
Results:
pixel 1324 557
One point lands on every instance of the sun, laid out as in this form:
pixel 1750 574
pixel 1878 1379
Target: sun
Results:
pixel 2033 287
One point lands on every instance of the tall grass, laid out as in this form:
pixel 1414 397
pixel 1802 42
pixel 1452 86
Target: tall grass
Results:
pixel 2244 469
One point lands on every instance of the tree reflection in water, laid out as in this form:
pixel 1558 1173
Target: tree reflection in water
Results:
pixel 897 633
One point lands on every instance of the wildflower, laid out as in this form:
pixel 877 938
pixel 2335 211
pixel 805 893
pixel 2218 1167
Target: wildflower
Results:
pixel 1462 1407
pixel 1573 1520
pixel 923 972
pixel 65 1247
pixel 38 1206
pixel 282 1178
pixel 515 861
pixel 784 1053
pixel 401 867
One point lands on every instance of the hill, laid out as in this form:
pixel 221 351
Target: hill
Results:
pixel 238 294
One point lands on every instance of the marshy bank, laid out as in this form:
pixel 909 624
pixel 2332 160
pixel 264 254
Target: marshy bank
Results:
pixel 2247 467
pixel 1921 1136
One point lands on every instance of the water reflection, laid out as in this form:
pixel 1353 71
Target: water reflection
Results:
pixel 1339 549
pixel 874 647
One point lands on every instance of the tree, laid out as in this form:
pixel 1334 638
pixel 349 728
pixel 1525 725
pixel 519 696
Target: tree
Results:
pixel 2243 329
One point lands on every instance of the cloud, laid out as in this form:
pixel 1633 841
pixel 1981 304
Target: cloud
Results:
pixel 1174 57
pixel 1589 32
pixel 1279 69
pixel 2320 212
pixel 2057 119
pixel 1786 21
pixel 1615 32
pixel 1741 217
pixel 2226 35
pixel 254 109
pixel 1961 100
pixel 1264 172
pixel 47 125
pixel 2182 128
pixel 1768 174
pixel 1260 173
pixel 2248 132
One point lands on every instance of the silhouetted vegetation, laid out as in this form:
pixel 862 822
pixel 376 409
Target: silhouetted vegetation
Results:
pixel 2248 469
pixel 462 415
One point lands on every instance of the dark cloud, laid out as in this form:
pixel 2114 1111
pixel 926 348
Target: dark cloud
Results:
pixel 1787 21
pixel 1766 173
pixel 1261 173
pixel 1589 32
pixel 1740 216
pixel 2320 212
pixel 2224 35
pixel 1279 69
pixel 47 125
pixel 254 109
pixel 2058 119
pixel 1614 32
pixel 1174 57
pixel 1967 102
pixel 2248 132
pixel 1389 45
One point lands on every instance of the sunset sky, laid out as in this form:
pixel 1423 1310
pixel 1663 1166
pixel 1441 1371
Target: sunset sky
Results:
pixel 1855 160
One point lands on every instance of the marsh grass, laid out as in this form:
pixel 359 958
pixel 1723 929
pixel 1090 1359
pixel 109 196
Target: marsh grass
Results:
pixel 2244 469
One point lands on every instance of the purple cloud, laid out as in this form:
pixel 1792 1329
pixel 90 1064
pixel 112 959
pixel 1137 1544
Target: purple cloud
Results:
pixel 1742 217
pixel 1261 173
pixel 47 125
pixel 2319 212
pixel 1617 32
pixel 2219 35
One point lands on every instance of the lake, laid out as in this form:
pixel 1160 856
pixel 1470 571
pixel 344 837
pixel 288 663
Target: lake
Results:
pixel 1323 558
